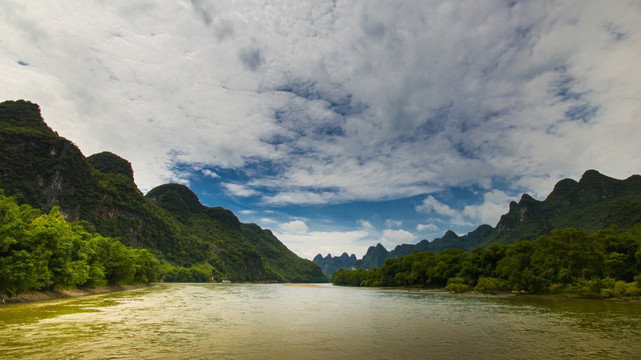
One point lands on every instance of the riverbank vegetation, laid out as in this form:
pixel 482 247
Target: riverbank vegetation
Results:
pixel 606 263
pixel 44 252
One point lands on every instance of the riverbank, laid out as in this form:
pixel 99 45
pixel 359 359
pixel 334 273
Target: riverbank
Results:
pixel 31 296
pixel 512 294
pixel 527 296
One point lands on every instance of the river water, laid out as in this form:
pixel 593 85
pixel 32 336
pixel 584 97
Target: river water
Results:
pixel 280 321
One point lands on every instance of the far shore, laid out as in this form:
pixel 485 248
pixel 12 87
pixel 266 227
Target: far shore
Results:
pixel 515 295
pixel 31 296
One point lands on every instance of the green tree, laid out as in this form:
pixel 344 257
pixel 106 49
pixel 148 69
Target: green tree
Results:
pixel 488 285
pixel 54 240
pixel 457 285
pixel 120 265
pixel 20 269
pixel 147 267
pixel 514 268
pixel 566 256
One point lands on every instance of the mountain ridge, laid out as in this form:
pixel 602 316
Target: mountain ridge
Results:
pixel 595 202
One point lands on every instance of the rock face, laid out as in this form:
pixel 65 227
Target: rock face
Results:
pixel 37 166
pixel 330 265
pixel 42 169
pixel 594 202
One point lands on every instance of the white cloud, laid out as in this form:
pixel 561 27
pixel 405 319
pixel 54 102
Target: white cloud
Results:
pixel 359 100
pixel 495 203
pixel 427 227
pixel 431 205
pixel 301 197
pixel 267 222
pixel 247 212
pixel 319 242
pixel 210 173
pixel 391 238
pixel 294 227
pixel 366 225
pixel 390 223
pixel 239 190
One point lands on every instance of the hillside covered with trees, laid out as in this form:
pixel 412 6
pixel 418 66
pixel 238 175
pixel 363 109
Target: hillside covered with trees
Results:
pixel 595 202
pixel 193 242
pixel 584 239
pixel 570 261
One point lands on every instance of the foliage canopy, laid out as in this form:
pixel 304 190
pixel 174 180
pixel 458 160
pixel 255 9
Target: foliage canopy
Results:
pixel 44 252
pixel 605 263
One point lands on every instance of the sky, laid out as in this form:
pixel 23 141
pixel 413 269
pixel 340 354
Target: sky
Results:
pixel 339 124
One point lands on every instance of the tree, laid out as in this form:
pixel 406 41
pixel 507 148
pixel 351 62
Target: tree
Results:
pixel 23 267
pixel 146 267
pixel 43 251
pixel 488 285
pixel 120 265
pixel 567 255
pixel 457 285
pixel 513 266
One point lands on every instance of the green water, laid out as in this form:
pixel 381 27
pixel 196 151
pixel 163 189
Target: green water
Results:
pixel 214 321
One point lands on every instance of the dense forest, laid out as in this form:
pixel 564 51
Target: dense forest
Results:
pixel 606 263
pixel 44 252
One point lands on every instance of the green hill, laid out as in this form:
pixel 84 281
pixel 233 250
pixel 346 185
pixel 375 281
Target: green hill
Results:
pixel 42 169
pixel 593 203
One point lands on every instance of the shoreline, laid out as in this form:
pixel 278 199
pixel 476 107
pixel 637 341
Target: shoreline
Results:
pixel 33 296
pixel 507 295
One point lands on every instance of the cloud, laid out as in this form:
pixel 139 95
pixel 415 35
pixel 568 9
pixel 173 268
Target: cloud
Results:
pixel 294 227
pixel 312 243
pixel 431 205
pixel 366 225
pixel 495 203
pixel 239 190
pixel 301 197
pixel 267 222
pixel 427 227
pixel 360 100
pixel 391 238
pixel 393 223
pixel 251 58
pixel 210 173
pixel 201 11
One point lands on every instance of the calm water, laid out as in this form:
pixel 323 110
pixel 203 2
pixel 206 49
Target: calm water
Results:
pixel 210 321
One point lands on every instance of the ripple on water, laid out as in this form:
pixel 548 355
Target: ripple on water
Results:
pixel 202 321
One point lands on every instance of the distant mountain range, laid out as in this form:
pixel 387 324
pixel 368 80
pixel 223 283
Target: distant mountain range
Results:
pixel 42 169
pixel 594 202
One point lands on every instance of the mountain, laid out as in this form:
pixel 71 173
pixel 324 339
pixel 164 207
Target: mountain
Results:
pixel 593 203
pixel 330 264
pixel 376 255
pixel 42 169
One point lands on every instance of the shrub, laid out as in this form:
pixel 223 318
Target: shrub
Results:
pixel 488 285
pixel 456 285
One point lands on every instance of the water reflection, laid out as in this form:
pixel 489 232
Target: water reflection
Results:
pixel 204 321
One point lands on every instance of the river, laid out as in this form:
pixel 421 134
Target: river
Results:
pixel 281 321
